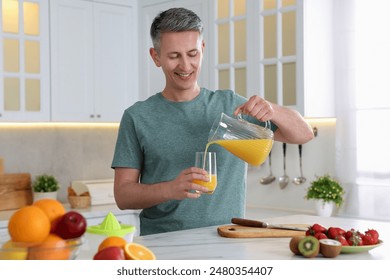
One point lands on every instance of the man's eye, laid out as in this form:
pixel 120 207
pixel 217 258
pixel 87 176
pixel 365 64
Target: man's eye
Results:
pixel 193 53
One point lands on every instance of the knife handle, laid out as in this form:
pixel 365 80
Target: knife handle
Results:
pixel 248 223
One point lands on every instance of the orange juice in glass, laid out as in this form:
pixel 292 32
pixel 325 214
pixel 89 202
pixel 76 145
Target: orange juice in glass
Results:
pixel 208 162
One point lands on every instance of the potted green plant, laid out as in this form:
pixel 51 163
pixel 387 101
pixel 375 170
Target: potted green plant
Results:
pixel 45 186
pixel 327 192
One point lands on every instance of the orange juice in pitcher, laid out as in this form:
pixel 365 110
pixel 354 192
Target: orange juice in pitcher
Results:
pixel 251 143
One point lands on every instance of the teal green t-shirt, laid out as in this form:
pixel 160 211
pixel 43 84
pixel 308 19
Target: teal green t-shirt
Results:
pixel 160 137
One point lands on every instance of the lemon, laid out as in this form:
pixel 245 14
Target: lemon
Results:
pixel 12 252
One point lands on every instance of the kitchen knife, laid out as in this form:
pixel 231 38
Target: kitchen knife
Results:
pixel 254 223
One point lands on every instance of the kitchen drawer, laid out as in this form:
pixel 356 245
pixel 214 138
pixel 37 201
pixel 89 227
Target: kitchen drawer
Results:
pixel 3 235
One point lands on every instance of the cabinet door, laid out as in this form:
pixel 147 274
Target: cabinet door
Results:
pixel 115 53
pixel 24 61
pixel 94 60
pixel 72 60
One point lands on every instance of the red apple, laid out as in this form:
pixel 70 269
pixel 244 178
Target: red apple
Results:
pixel 71 225
pixel 110 253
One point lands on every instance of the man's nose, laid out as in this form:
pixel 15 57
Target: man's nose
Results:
pixel 185 63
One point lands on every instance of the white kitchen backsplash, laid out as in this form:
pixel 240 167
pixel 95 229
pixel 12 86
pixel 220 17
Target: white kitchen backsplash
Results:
pixel 318 158
pixel 85 153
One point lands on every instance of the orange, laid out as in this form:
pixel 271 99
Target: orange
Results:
pixel 52 248
pixel 52 208
pixel 112 241
pixel 134 251
pixel 29 224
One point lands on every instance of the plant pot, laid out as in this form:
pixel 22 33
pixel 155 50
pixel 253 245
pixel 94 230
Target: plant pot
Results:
pixel 42 195
pixel 324 209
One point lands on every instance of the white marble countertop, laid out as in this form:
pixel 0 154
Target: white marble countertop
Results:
pixel 205 243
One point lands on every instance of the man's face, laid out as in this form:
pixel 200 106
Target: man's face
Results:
pixel 180 58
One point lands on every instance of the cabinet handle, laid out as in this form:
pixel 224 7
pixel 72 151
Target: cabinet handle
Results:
pixel 91 116
pixel 98 115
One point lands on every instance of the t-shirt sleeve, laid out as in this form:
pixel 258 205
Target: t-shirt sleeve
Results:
pixel 128 151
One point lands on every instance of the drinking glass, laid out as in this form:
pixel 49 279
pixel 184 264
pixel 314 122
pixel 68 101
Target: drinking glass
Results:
pixel 208 162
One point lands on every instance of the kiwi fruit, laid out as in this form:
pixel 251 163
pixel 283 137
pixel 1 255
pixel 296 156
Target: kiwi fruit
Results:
pixel 294 244
pixel 309 246
pixel 330 248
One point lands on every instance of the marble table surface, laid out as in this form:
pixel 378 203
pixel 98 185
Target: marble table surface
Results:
pixel 205 243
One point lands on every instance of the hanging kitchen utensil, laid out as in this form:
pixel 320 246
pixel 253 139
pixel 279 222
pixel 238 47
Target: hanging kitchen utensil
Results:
pixel 301 179
pixel 283 180
pixel 270 178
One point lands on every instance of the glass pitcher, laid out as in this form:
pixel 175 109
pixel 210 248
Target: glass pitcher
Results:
pixel 250 142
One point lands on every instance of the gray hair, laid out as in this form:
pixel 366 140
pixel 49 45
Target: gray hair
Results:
pixel 174 20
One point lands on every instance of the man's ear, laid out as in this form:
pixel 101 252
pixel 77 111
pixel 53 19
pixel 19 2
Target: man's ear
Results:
pixel 156 58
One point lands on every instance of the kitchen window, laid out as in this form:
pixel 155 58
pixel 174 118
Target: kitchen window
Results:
pixel 372 107
pixel 363 93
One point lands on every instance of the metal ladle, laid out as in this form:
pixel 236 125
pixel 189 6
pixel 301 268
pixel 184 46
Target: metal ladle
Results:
pixel 270 178
pixel 299 180
pixel 283 180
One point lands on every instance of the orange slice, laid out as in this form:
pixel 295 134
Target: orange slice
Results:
pixel 134 251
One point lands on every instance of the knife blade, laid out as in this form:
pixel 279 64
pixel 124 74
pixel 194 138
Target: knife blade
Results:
pixel 254 223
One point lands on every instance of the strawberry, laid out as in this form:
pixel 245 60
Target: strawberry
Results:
pixel 320 235
pixel 315 228
pixel 349 233
pixel 374 234
pixel 342 240
pixel 334 231
pixel 367 239
pixel 355 240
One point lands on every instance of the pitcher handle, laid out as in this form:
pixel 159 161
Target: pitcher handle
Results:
pixel 267 124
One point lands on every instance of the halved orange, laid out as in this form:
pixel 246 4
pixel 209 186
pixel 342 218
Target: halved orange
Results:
pixel 134 251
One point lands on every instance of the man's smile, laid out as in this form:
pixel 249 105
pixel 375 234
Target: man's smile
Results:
pixel 184 74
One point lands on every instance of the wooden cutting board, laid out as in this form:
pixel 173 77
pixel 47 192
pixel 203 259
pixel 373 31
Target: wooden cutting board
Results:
pixel 236 231
pixel 15 190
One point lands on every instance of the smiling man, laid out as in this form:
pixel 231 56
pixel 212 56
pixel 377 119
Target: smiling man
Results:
pixel 158 138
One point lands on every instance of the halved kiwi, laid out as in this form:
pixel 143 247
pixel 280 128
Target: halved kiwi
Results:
pixel 330 248
pixel 309 246
pixel 294 244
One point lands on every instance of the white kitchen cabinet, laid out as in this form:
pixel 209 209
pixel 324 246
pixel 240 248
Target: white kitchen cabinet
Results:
pixel 288 57
pixel 4 235
pixel 24 61
pixel 316 98
pixel 94 59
